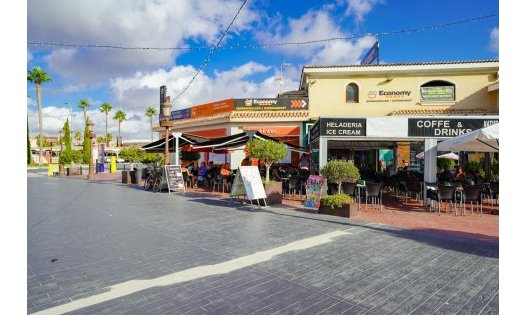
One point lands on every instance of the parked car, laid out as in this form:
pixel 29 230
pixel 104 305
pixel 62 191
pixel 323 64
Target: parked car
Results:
pixel 120 160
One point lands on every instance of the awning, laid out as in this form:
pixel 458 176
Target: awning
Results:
pixel 238 141
pixel 184 139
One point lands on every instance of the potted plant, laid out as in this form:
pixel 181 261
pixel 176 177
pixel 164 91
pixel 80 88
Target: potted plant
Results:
pixel 339 204
pixel 269 152
pixel 188 157
pixel 70 157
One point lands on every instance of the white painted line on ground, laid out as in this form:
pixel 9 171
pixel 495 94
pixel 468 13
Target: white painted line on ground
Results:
pixel 134 286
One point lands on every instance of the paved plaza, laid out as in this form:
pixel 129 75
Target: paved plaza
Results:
pixel 108 248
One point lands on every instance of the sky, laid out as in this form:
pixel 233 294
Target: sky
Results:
pixel 129 80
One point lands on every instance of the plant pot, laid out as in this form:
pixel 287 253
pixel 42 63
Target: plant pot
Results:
pixel 126 177
pixel 274 192
pixel 346 211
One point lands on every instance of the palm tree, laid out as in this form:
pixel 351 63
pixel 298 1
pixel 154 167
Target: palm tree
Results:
pixel 106 108
pixel 109 137
pixel 150 112
pixel 38 76
pixel 120 116
pixel 84 104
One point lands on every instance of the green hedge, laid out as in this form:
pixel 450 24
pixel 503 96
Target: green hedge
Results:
pixel 337 200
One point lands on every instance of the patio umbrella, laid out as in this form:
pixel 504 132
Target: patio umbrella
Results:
pixel 481 140
pixel 158 146
pixel 450 155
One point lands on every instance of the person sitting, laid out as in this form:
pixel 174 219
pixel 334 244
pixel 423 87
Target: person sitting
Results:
pixel 446 175
pixel 201 175
pixel 225 170
pixel 459 174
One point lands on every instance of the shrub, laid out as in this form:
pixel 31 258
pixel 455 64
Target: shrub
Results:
pixel 151 158
pixel 442 163
pixel 340 171
pixel 70 157
pixel 336 200
pixel 267 151
pixel 131 154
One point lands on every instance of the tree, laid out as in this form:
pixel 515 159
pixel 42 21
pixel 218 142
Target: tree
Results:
pixel 340 171
pixel 84 104
pixel 86 147
pixel 78 136
pixel 266 150
pixel 106 108
pixel 131 154
pixel 67 135
pixel 101 139
pixel 150 112
pixel 109 137
pixel 120 116
pixel 38 76
pixel 70 156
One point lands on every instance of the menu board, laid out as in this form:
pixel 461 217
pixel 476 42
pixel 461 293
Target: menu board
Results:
pixel 248 182
pixel 174 177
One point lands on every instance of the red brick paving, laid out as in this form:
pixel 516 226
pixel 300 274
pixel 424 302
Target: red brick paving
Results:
pixel 395 213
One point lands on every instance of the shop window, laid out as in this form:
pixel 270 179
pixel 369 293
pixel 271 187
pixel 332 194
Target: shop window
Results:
pixel 437 91
pixel 351 93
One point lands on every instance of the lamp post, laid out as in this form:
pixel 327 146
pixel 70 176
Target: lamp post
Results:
pixel 60 165
pixel 91 135
pixel 166 107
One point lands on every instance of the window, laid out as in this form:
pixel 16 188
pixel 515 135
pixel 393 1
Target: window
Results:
pixel 351 93
pixel 437 91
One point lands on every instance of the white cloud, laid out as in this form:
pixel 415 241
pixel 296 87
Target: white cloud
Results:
pixel 360 8
pixel 140 23
pixel 494 39
pixel 316 25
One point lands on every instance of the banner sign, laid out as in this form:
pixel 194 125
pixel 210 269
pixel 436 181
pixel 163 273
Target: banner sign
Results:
pixel 181 114
pixel 314 188
pixel 271 104
pixel 277 131
pixel 342 127
pixel 444 127
pixel 372 54
pixel 437 93
pixel 212 108
pixel 162 98
pixel 174 177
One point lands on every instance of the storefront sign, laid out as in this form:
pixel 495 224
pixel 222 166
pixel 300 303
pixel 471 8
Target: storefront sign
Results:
pixel 342 127
pixel 437 93
pixel 271 104
pixel 273 131
pixel 174 177
pixel 445 128
pixel 314 133
pixel 162 98
pixel 314 188
pixel 181 114
pixel 210 109
pixel 386 96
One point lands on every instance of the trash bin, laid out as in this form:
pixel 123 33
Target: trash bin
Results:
pixel 139 173
pixel 132 177
pixel 126 177
pixel 100 167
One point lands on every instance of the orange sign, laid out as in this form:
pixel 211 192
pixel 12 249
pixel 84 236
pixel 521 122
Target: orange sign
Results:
pixel 212 108
pixel 210 133
pixel 280 131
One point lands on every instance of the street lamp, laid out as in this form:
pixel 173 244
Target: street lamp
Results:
pixel 91 135
pixel 60 165
pixel 166 107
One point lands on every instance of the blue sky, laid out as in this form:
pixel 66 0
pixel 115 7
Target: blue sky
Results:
pixel 130 80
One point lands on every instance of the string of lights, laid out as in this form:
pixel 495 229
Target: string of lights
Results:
pixel 266 45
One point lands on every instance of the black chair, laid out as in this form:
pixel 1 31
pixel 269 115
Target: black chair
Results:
pixel 349 189
pixel 412 186
pixel 491 192
pixel 219 181
pixel 373 192
pixel 472 194
pixel 292 185
pixel 401 187
pixel 332 188
pixel 446 193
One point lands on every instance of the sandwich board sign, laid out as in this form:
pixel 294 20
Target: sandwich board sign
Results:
pixel 174 178
pixel 248 183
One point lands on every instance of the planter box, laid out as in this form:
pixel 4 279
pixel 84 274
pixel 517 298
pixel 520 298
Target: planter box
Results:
pixel 126 178
pixel 274 193
pixel 346 211
pixel 73 171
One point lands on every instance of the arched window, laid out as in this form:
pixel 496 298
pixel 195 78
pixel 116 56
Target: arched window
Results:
pixel 437 91
pixel 351 93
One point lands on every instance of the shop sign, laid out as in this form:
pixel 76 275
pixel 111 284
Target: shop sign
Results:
pixel 314 132
pixel 209 109
pixel 437 93
pixel 386 96
pixel 162 98
pixel 181 114
pixel 282 131
pixel 271 104
pixel 163 118
pixel 444 127
pixel 342 127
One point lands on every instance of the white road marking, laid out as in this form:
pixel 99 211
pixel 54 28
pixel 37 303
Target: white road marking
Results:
pixel 134 286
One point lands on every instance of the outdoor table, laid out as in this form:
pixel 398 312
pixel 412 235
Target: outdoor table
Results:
pixel 360 187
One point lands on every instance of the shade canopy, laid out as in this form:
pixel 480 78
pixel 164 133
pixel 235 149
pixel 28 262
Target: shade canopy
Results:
pixel 237 142
pixel 184 139
pixel 450 155
pixel 480 140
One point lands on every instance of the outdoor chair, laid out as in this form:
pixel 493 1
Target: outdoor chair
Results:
pixel 413 187
pixel 292 185
pixel 219 181
pixel 332 188
pixel 491 192
pixel 374 193
pixel 349 189
pixel 445 193
pixel 401 187
pixel 472 194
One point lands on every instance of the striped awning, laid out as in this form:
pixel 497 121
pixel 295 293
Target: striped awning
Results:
pixel 185 139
